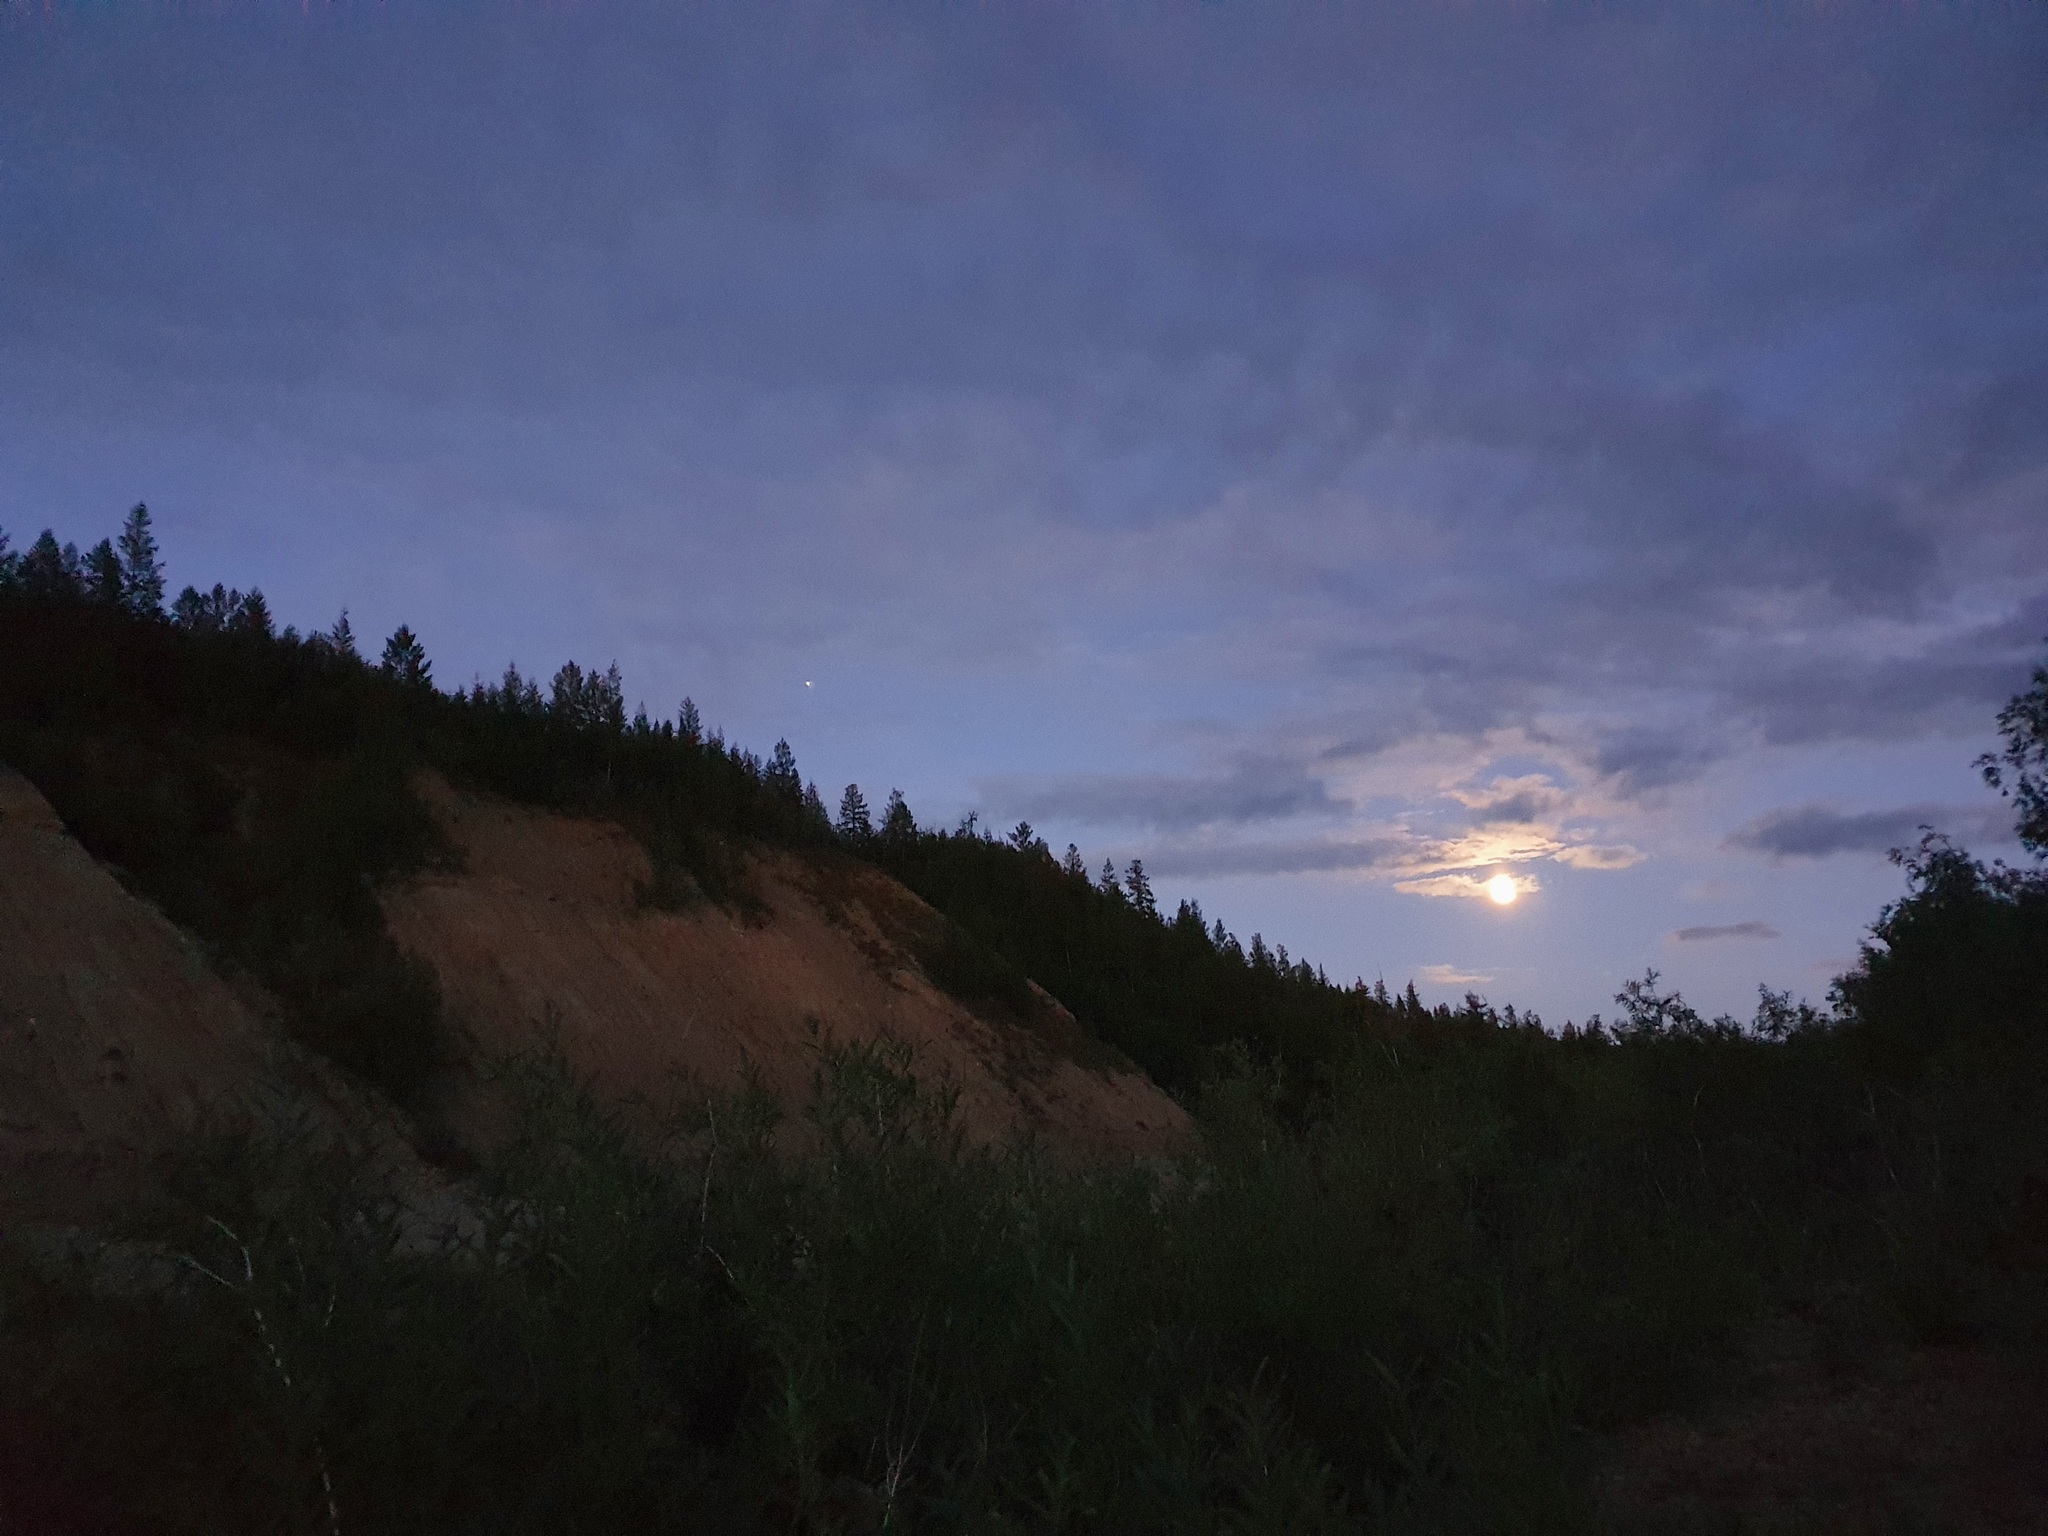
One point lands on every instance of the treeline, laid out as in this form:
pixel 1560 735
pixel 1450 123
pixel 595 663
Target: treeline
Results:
pixel 256 783
pixel 166 732
pixel 95 653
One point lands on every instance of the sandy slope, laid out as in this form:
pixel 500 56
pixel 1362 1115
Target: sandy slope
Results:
pixel 114 1034
pixel 542 924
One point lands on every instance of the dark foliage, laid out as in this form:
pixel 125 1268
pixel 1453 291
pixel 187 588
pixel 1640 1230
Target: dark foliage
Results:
pixel 257 785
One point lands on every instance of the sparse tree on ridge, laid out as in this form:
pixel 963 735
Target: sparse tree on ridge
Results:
pixel 899 827
pixel 1108 883
pixel 855 825
pixel 102 572
pixel 1072 863
pixel 689 725
pixel 10 563
pixel 142 572
pixel 342 637
pixel 50 569
pixel 406 659
pixel 781 775
pixel 1140 889
pixel 252 616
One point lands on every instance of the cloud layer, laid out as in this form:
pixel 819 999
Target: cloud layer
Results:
pixel 1816 831
pixel 1385 444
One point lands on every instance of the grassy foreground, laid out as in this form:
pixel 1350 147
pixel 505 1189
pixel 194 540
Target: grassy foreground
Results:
pixel 1411 1305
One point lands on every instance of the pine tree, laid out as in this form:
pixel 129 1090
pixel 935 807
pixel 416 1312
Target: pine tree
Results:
pixel 1140 889
pixel 1072 863
pixel 10 563
pixel 102 573
pixel 781 775
pixel 688 725
pixel 855 825
pixel 343 638
pixel 406 659
pixel 48 570
pixel 899 827
pixel 142 573
pixel 251 616
pixel 1108 884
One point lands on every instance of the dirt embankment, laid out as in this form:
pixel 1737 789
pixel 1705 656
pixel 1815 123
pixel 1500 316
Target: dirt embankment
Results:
pixel 115 1035
pixel 543 929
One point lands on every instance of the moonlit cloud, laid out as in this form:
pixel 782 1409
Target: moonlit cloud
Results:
pixel 1450 976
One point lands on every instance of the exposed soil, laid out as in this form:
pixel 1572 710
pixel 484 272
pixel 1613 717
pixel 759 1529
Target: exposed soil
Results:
pixel 543 931
pixel 116 1037
pixel 1818 1437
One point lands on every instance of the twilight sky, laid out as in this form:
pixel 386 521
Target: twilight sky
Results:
pixel 1338 453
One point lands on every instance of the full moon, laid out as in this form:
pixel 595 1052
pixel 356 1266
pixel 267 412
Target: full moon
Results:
pixel 1502 889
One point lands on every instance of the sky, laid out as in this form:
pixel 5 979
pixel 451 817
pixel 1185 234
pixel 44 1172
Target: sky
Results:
pixel 1335 453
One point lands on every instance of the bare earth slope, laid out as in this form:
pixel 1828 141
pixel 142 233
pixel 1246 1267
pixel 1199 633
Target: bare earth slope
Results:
pixel 115 1036
pixel 542 929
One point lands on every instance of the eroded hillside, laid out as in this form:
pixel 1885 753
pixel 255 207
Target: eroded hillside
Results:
pixel 116 1037
pixel 543 933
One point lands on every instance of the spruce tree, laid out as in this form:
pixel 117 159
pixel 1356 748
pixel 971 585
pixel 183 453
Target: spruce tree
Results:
pixel 899 827
pixel 50 570
pixel 102 573
pixel 406 659
pixel 251 615
pixel 855 825
pixel 1072 863
pixel 342 637
pixel 1140 889
pixel 142 573
pixel 781 775
pixel 689 725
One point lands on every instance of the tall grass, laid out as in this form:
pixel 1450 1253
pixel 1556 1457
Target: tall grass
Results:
pixel 1412 1306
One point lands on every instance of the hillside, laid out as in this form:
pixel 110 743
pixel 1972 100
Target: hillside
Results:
pixel 542 933
pixel 117 1038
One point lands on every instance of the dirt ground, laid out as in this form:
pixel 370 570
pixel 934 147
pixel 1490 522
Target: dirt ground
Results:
pixel 115 1034
pixel 1822 1434
pixel 542 931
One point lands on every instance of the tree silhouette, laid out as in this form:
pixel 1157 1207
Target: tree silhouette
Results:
pixel 102 573
pixel 781 775
pixel 899 827
pixel 142 573
pixel 342 637
pixel 1140 889
pixel 855 825
pixel 2020 772
pixel 406 659
pixel 48 570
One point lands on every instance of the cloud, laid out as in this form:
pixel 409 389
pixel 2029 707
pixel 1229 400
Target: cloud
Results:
pixel 1709 932
pixel 1595 856
pixel 1248 793
pixel 1370 855
pixel 1472 887
pixel 1815 831
pixel 1450 976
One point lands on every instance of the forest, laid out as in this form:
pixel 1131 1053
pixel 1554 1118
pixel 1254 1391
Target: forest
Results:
pixel 1421 1270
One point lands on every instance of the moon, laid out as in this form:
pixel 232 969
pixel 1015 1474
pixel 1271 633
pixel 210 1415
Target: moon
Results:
pixel 1501 888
